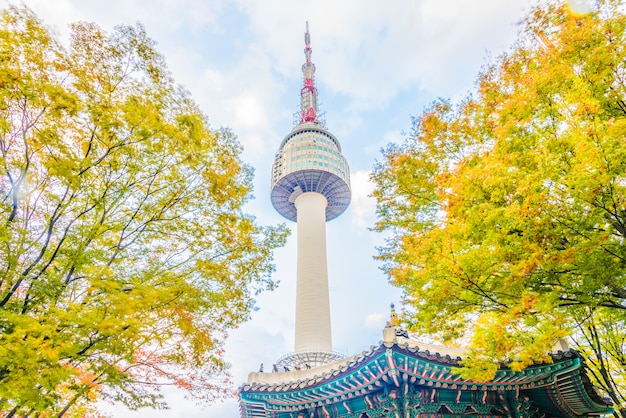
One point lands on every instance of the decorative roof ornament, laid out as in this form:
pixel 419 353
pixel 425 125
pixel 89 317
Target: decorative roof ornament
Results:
pixel 393 317
pixel 393 329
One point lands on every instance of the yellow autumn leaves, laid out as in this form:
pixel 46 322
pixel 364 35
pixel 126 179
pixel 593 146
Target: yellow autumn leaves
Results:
pixel 507 210
pixel 124 254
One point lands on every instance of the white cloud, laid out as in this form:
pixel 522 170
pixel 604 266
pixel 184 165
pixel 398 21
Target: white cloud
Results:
pixel 581 6
pixel 363 205
pixel 246 95
pixel 375 321
pixel 373 148
pixel 370 51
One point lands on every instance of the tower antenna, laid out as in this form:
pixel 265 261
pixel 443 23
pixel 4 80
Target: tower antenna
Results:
pixel 308 94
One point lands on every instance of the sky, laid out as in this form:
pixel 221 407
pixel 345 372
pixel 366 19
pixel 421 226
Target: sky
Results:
pixel 379 63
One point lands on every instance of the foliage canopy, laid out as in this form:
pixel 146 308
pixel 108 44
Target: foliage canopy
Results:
pixel 124 252
pixel 507 211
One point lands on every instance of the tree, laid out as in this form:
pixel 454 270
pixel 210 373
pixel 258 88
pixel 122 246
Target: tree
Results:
pixel 507 211
pixel 124 253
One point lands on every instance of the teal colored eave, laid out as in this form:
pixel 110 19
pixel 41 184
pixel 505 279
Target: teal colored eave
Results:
pixel 557 388
pixel 571 394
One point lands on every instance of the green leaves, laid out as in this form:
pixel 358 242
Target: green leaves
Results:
pixel 124 254
pixel 506 210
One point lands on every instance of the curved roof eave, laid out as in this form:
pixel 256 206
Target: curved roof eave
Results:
pixel 397 363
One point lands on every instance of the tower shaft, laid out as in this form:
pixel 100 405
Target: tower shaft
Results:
pixel 313 333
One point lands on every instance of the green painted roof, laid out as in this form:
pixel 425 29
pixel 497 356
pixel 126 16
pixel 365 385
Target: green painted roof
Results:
pixel 401 378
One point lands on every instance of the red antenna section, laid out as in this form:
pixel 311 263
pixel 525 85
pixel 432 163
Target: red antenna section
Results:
pixel 308 94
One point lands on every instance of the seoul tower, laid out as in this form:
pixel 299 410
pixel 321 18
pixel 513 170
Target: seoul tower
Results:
pixel 310 186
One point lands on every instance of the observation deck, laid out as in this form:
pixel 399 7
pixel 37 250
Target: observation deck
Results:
pixel 309 159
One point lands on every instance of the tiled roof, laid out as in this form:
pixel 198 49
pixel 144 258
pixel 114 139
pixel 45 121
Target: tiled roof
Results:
pixel 404 367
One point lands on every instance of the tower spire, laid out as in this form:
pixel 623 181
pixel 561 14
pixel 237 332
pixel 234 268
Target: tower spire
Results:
pixel 308 94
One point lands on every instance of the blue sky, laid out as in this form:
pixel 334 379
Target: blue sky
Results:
pixel 378 63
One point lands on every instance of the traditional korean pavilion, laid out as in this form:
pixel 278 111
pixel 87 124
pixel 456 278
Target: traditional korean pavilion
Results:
pixel 403 378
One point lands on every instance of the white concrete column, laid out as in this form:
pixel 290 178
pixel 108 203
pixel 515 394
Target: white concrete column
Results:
pixel 312 300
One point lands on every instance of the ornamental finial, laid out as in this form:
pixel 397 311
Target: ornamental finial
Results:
pixel 393 317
